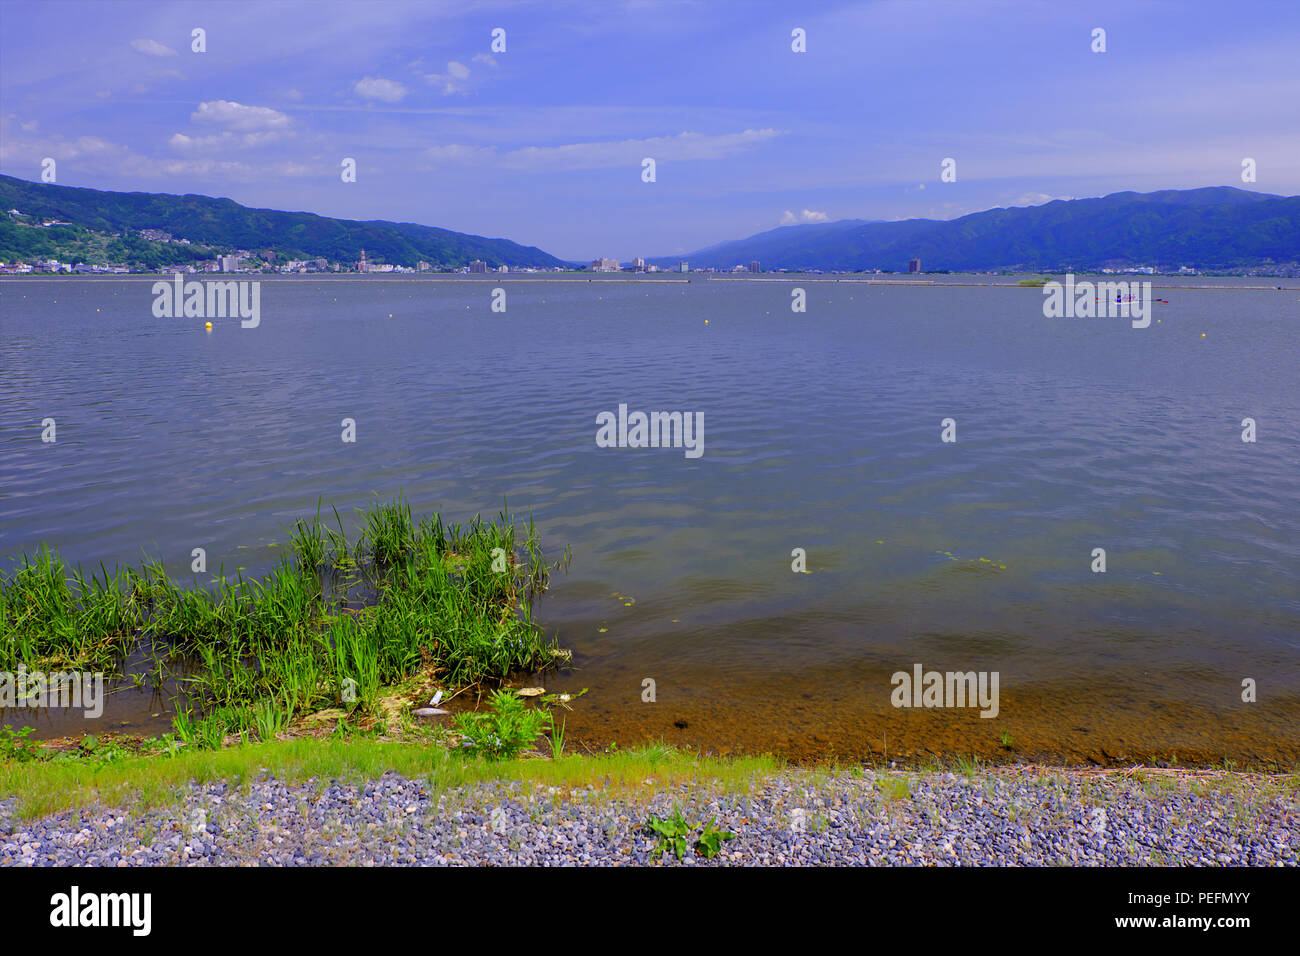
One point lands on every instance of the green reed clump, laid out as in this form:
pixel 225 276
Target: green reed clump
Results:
pixel 210 732
pixel 357 667
pixel 287 601
pixel 476 627
pixel 269 717
pixel 298 674
pixel 184 724
pixel 190 618
pixel 397 632
pixel 389 534
pixel 49 616
pixel 105 607
pixel 40 608
pixel 308 542
pixel 337 549
pixel 269 650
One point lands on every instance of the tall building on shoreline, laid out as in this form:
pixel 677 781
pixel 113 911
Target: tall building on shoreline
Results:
pixel 914 266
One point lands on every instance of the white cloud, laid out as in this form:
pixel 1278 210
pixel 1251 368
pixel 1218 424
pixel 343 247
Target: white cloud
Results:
pixel 151 48
pixel 485 58
pixel 99 157
pixel 223 140
pixel 452 81
pixel 236 116
pixel 210 155
pixel 602 155
pixel 378 88
pixel 789 218
pixel 21 151
pixel 1037 199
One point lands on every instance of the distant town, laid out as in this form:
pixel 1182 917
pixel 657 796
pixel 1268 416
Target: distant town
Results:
pixel 272 261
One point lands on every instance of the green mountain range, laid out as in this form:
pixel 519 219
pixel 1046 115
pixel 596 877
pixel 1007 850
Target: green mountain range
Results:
pixel 1215 228
pixel 1212 228
pixel 222 225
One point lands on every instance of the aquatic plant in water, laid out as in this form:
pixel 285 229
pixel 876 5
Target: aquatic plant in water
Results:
pixel 458 599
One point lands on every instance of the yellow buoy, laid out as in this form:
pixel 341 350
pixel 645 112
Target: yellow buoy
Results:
pixel 208 326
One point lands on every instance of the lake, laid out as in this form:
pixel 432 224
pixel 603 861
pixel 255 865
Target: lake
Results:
pixel 822 432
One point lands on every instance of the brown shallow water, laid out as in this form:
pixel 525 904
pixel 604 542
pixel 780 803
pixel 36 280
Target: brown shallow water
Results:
pixel 839 715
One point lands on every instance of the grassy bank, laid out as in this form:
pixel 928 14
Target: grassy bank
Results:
pixel 115 778
pixel 122 779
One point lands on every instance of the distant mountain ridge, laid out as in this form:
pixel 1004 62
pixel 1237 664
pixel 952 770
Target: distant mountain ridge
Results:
pixel 224 223
pixel 1208 228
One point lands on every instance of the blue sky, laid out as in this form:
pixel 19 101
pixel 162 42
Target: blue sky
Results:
pixel 543 143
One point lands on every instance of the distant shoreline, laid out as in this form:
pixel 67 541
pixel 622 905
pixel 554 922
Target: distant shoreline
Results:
pixel 1010 282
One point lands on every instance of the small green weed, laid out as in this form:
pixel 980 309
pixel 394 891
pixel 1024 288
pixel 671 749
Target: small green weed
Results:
pixel 710 842
pixel 506 731
pixel 14 746
pixel 674 831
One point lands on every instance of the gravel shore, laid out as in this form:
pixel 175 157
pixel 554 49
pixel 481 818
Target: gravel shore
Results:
pixel 1020 816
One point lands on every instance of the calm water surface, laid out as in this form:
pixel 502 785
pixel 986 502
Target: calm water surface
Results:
pixel 822 432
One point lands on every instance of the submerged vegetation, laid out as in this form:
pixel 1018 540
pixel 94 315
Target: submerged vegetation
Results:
pixel 328 626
